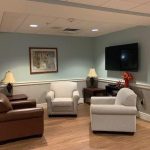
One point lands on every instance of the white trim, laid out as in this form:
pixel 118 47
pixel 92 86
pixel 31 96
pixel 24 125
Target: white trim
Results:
pixel 108 80
pixel 142 85
pixel 137 84
pixel 143 116
pixel 25 83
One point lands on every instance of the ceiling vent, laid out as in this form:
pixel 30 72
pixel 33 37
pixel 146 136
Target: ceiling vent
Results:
pixel 71 29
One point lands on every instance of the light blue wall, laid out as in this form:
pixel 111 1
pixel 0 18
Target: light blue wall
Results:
pixel 137 34
pixel 75 55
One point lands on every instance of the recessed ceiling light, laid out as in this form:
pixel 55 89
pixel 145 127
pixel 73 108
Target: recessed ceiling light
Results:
pixel 33 25
pixel 95 30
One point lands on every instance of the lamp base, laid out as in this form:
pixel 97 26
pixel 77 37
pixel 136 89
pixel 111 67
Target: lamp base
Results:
pixel 9 89
pixel 92 82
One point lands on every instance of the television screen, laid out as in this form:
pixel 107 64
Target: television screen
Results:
pixel 122 57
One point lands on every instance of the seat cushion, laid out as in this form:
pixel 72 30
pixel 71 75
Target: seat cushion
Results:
pixel 62 102
pixel 5 104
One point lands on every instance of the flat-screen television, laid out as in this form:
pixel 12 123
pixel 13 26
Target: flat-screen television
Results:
pixel 122 57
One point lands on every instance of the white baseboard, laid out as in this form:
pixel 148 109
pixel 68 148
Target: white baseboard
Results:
pixel 143 116
pixel 81 101
pixel 44 105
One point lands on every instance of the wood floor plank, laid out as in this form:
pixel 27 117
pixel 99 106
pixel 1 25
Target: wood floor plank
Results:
pixel 73 133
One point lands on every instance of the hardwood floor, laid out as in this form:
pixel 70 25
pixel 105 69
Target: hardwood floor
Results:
pixel 73 133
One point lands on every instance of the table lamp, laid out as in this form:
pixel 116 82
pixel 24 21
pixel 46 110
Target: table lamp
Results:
pixel 92 80
pixel 9 80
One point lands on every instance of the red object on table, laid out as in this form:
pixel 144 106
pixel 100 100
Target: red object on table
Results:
pixel 126 83
pixel 127 77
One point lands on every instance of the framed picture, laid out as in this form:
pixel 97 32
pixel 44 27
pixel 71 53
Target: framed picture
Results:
pixel 43 60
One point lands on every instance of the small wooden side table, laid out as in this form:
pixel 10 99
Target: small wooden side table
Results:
pixel 112 90
pixel 89 92
pixel 18 97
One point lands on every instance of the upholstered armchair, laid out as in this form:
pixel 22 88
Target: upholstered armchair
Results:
pixel 18 123
pixel 114 113
pixel 62 98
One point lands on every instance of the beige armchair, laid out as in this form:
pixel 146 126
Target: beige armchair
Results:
pixel 114 113
pixel 62 98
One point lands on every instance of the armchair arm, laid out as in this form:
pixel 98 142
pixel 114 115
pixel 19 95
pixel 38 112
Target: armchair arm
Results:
pixel 76 95
pixel 23 104
pixel 21 114
pixel 113 109
pixel 50 96
pixel 75 100
pixel 103 100
pixel 4 106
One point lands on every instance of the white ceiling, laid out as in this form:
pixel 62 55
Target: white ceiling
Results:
pixel 53 16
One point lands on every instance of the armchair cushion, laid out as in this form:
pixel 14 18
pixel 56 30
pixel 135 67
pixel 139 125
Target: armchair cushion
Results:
pixel 5 105
pixel 62 102
pixel 63 88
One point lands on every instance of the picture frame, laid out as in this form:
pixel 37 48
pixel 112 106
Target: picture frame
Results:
pixel 43 60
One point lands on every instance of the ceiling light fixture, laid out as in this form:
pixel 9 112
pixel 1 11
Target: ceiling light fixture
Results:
pixel 95 30
pixel 33 25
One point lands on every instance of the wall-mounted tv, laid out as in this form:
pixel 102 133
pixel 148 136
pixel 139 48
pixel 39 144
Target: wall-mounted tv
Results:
pixel 122 57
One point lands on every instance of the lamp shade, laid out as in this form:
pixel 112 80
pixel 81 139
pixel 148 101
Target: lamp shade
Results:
pixel 9 77
pixel 92 73
pixel 92 80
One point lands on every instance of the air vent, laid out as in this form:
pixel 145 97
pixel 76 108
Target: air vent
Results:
pixel 71 29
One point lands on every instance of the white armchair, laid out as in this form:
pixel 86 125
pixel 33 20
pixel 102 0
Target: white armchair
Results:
pixel 114 113
pixel 62 98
